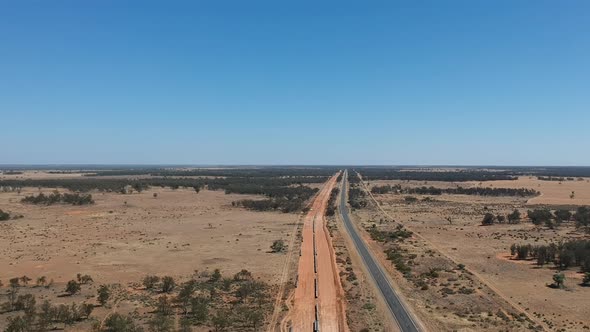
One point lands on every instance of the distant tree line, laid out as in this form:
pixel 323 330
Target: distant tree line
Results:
pixel 59 198
pixel 557 171
pixel 571 253
pixel 318 172
pixel 566 172
pixel 12 172
pixel 331 207
pixel 481 191
pixel 469 173
pixel 232 184
pixel 424 175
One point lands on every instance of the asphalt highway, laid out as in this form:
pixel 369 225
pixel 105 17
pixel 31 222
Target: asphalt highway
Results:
pixel 401 315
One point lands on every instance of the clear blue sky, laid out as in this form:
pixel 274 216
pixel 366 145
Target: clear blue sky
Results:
pixel 295 82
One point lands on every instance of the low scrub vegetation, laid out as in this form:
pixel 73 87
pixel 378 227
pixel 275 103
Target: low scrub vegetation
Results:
pixel 208 300
pixel 385 236
pixel 278 246
pixel 394 253
pixel 331 208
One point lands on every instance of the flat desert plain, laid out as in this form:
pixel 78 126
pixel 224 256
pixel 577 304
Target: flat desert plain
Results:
pixel 124 237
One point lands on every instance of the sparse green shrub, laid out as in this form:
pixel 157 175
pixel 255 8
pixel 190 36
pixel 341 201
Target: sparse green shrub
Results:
pixel 168 284
pixel 72 287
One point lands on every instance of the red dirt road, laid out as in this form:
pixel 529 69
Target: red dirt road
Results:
pixel 330 296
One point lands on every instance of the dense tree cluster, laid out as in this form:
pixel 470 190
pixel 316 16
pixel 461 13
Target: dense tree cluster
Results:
pixel 331 207
pixel 357 198
pixel 511 218
pixel 555 218
pixel 564 254
pixel 285 199
pixel 270 189
pixel 481 191
pixel 59 198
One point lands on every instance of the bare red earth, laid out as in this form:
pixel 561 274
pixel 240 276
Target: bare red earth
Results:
pixel 328 307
